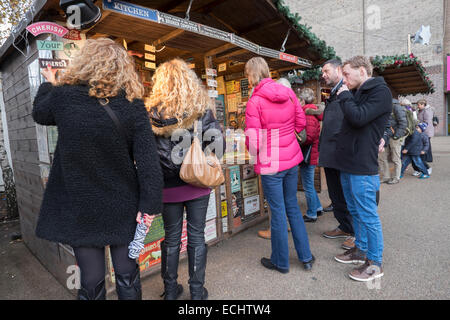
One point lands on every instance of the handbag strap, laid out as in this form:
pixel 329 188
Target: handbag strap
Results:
pixel 119 127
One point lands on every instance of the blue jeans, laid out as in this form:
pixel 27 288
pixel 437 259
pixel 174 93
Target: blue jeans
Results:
pixel 280 191
pixel 360 195
pixel 312 200
pixel 416 160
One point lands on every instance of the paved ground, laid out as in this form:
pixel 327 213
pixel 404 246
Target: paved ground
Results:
pixel 416 224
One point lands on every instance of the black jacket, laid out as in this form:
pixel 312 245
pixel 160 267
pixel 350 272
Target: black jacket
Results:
pixel 331 126
pixel 366 115
pixel 171 153
pixel 416 143
pixel 397 122
pixel 94 191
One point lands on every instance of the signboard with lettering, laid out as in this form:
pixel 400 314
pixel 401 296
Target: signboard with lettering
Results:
pixel 251 205
pixel 269 52
pixel 215 33
pixel 54 63
pixel 130 9
pixel 288 57
pixel 177 22
pixel 50 45
pixel 211 72
pixel 250 187
pixel 245 44
pixel 47 27
pixel 212 83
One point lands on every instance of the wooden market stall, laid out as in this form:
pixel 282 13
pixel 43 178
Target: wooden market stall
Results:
pixel 216 37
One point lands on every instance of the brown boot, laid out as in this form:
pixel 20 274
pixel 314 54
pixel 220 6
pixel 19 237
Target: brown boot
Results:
pixel 265 234
pixel 349 243
pixel 367 272
pixel 336 234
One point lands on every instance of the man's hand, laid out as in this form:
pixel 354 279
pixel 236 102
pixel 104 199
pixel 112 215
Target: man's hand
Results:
pixel 381 146
pixel 342 89
pixel 422 152
pixel 405 151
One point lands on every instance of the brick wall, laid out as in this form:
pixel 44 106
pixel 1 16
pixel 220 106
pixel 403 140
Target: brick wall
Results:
pixel 342 24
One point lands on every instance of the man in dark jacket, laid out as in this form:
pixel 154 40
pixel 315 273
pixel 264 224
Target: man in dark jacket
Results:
pixel 366 114
pixel 332 121
pixel 394 139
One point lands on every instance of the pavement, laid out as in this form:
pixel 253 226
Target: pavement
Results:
pixel 416 227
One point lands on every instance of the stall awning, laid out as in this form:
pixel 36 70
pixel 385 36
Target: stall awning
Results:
pixel 265 23
pixel 404 74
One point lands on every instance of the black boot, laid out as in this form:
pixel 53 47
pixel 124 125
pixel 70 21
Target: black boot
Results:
pixel 98 293
pixel 128 286
pixel 197 269
pixel 169 271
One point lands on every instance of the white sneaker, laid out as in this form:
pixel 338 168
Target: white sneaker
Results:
pixel 416 173
pixel 430 170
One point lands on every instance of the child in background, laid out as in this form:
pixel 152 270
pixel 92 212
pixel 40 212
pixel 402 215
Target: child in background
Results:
pixel 416 145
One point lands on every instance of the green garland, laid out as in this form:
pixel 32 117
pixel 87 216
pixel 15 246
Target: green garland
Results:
pixel 316 44
pixel 380 63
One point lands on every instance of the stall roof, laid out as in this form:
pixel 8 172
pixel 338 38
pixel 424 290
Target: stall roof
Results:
pixel 404 74
pixel 263 22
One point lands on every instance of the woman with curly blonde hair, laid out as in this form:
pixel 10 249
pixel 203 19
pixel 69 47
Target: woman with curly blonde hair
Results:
pixel 106 174
pixel 178 100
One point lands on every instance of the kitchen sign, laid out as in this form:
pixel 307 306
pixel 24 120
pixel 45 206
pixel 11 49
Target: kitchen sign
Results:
pixel 47 27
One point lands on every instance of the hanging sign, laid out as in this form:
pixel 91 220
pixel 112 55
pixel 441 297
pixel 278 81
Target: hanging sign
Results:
pixel 214 33
pixel 149 56
pixel 211 72
pixel 212 83
pixel 149 48
pixel 54 63
pixel 177 22
pixel 50 45
pixel 222 67
pixel 150 65
pixel 288 57
pixel 213 93
pixel 47 27
pixel 73 34
pixel 130 9
pixel 245 44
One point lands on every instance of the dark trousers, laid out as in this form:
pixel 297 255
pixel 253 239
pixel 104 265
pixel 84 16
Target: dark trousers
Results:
pixel 91 262
pixel 336 194
pixel 196 221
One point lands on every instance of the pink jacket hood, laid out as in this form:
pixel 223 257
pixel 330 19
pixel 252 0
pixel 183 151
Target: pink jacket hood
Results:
pixel 272 91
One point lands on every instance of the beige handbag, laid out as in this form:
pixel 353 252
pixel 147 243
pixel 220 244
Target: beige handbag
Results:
pixel 199 169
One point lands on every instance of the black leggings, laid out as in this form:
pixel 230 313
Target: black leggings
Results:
pixel 91 262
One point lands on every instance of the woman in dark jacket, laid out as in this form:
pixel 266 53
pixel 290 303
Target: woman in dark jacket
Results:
pixel 178 100
pixel 95 190
pixel 307 170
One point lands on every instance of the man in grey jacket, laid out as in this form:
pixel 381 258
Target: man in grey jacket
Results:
pixel 394 137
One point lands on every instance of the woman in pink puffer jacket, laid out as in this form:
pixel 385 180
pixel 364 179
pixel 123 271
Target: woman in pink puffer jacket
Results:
pixel 272 115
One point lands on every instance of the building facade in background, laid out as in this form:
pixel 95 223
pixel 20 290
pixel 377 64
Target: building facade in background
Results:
pixel 381 27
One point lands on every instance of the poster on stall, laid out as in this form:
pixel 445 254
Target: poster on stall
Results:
pixel 250 187
pixel 224 225
pixel 236 204
pixel 156 231
pixel 210 230
pixel 235 179
pixel 251 205
pixel 221 85
pixel 244 88
pixel 211 211
pixel 150 255
pixel 223 193
pixel 220 108
pixel 224 208
pixel 248 171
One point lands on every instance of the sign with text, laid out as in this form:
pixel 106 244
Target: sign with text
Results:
pixel 130 9
pixel 50 45
pixel 54 63
pixel 47 27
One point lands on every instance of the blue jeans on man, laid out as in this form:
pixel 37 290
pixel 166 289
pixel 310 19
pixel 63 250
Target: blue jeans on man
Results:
pixel 312 199
pixel 360 195
pixel 280 191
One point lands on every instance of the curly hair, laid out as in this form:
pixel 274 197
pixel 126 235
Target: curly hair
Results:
pixel 177 92
pixel 107 68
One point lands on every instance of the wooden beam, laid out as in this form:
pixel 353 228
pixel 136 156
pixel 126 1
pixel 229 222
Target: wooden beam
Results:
pixel 170 5
pixel 220 49
pixel 229 27
pixel 172 35
pixel 232 54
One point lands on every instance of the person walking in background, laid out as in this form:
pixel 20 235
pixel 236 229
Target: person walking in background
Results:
pixel 273 115
pixel 366 114
pixel 332 122
pixel 394 137
pixel 425 115
pixel 95 192
pixel 416 145
pixel 307 170
pixel 178 100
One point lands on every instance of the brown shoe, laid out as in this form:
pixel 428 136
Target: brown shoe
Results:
pixel 265 234
pixel 367 272
pixel 354 256
pixel 349 243
pixel 336 234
